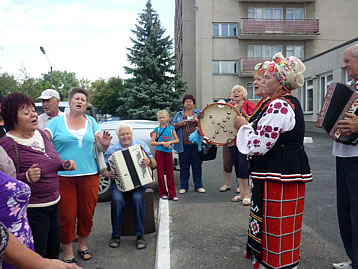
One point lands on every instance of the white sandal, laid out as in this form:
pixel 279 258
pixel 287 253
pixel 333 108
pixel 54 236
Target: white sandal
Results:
pixel 246 201
pixel 237 198
pixel 224 188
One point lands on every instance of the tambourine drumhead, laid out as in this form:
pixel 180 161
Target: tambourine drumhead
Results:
pixel 216 123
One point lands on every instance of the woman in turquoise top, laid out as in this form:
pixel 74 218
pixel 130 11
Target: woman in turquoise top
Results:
pixel 74 134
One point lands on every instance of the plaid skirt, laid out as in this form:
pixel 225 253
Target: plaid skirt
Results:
pixel 275 223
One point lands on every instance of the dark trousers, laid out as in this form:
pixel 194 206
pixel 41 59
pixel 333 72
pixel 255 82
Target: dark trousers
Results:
pixel 136 197
pixel 240 161
pixel 190 156
pixel 347 205
pixel 45 226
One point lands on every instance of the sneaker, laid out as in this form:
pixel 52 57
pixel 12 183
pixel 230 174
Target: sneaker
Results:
pixel 175 198
pixel 343 265
pixel 114 242
pixel 141 243
pixel 224 188
pixel 182 191
pixel 201 190
pixel 164 197
pixel 238 190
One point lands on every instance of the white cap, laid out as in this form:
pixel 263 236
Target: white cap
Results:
pixel 49 93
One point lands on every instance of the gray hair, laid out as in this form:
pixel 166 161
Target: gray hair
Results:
pixel 123 125
pixel 353 49
pixel 75 90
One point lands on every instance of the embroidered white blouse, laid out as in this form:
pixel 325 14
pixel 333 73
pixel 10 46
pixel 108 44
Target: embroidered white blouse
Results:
pixel 278 118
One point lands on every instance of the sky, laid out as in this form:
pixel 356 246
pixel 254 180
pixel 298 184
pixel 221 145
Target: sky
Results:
pixel 87 37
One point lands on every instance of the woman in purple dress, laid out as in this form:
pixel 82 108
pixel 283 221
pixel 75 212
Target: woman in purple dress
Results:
pixel 14 197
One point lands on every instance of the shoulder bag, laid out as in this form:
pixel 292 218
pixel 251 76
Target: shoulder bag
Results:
pixel 98 155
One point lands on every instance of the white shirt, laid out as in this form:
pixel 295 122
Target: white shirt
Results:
pixel 44 119
pixel 342 150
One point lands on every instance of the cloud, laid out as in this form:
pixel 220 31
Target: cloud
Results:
pixel 85 37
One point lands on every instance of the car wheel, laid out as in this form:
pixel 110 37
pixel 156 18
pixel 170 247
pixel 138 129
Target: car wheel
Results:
pixel 104 192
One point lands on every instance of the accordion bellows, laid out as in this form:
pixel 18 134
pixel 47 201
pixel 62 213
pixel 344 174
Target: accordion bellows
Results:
pixel 130 175
pixel 340 98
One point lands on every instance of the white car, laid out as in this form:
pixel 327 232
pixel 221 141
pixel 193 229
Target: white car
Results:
pixel 141 131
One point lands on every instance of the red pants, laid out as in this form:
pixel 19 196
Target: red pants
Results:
pixel 165 167
pixel 79 197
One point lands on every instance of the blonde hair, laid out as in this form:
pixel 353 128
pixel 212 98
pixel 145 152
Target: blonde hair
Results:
pixel 162 112
pixel 240 89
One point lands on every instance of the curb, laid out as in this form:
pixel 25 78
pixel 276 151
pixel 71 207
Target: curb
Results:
pixel 162 260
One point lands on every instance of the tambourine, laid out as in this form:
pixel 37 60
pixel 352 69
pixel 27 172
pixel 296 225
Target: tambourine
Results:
pixel 216 124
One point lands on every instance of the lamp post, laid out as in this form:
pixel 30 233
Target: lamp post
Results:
pixel 43 51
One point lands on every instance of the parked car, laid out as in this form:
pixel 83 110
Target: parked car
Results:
pixel 141 131
pixel 64 107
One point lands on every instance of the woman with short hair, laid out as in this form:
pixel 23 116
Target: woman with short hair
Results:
pixel 74 134
pixel 37 163
pixel 185 123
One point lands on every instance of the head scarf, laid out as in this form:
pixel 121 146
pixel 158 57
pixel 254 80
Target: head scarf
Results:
pixel 262 67
pixel 289 71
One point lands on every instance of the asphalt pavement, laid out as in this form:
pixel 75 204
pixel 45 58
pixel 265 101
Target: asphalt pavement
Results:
pixel 207 230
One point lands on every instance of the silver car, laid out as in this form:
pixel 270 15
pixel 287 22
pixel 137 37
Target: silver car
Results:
pixel 141 131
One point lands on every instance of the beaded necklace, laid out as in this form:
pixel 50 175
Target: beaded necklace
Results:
pixel 261 102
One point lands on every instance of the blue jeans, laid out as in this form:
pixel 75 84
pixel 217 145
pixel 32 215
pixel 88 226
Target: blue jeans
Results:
pixel 118 203
pixel 190 156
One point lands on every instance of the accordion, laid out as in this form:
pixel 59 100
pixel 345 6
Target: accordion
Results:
pixel 340 98
pixel 130 174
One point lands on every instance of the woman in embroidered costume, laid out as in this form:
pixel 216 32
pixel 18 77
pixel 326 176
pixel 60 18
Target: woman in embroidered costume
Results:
pixel 279 168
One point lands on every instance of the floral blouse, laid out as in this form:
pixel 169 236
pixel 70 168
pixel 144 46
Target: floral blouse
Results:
pixel 278 118
pixel 4 238
pixel 14 198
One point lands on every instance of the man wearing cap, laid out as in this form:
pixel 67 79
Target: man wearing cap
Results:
pixel 50 101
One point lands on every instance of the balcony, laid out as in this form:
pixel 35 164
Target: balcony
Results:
pixel 279 29
pixel 247 65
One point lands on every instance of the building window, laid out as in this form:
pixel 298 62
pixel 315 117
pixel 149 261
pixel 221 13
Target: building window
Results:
pixel 265 13
pixel 224 29
pixel 251 92
pixel 326 80
pixel 308 96
pixel 262 51
pixel 294 14
pixel 225 67
pixel 297 51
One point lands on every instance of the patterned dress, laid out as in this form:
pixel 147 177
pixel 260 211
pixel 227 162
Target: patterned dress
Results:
pixel 14 197
pixel 279 170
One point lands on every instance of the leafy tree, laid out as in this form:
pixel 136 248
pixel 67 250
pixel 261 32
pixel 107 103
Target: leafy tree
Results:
pixel 154 84
pixel 105 95
pixel 63 81
pixel 28 85
pixel 8 84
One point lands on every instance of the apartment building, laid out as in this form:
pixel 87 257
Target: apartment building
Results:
pixel 218 42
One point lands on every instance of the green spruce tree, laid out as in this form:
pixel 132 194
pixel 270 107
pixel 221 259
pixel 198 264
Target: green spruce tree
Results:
pixel 154 84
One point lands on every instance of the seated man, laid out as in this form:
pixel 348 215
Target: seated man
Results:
pixel 136 196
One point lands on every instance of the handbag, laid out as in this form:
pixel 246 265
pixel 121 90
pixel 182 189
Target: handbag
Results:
pixel 208 152
pixel 98 155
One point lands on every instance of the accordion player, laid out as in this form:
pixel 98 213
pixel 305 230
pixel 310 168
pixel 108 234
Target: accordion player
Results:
pixel 340 98
pixel 130 174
